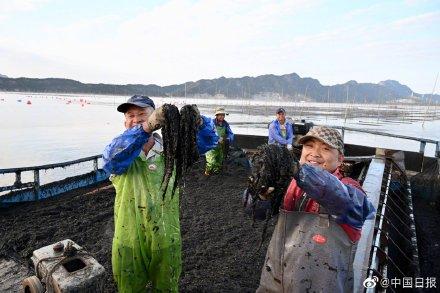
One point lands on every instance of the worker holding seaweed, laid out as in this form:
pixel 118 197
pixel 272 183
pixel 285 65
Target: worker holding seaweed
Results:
pixel 216 156
pixel 146 250
pixel 319 223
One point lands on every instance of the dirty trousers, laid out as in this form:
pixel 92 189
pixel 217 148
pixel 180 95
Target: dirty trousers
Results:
pixel 214 160
pixel 146 251
pixel 308 252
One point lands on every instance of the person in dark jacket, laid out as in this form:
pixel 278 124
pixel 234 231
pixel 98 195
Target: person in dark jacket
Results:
pixel 281 131
pixel 313 245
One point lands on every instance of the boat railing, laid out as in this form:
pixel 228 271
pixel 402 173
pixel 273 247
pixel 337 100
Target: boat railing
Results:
pixel 423 141
pixel 33 190
pixel 388 246
pixel 303 126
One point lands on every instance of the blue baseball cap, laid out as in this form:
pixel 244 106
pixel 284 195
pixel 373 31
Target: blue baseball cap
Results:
pixel 136 100
pixel 280 110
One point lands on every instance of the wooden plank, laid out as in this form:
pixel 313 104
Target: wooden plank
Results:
pixel 11 275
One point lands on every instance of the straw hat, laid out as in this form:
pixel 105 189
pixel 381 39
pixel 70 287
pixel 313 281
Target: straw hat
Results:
pixel 220 110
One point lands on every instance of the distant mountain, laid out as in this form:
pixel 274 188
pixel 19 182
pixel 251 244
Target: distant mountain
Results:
pixel 59 85
pixel 285 87
pixel 4 76
pixel 401 90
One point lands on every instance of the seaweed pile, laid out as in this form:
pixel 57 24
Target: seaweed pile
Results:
pixel 426 184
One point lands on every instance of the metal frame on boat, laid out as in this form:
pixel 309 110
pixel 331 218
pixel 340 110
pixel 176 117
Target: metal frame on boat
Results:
pixel 388 248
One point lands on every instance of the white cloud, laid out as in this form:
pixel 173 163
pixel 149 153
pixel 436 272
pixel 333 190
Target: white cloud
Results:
pixel 34 64
pixel 417 21
pixel 185 40
pixel 12 6
pixel 174 42
pixel 83 26
pixel 8 8
pixel 367 53
pixel 362 12
pixel 415 2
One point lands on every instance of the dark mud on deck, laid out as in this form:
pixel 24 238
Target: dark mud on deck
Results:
pixel 427 218
pixel 219 243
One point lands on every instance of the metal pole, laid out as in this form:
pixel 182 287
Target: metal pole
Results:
pixel 422 147
pixel 437 154
pixel 422 152
pixel 95 168
pixel 17 178
pixel 37 184
pixel 95 164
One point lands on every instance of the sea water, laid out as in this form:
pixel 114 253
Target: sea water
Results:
pixel 39 129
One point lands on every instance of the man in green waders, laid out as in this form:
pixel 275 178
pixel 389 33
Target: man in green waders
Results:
pixel 215 157
pixel 146 250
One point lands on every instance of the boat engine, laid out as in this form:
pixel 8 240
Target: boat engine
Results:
pixel 64 267
pixel 301 127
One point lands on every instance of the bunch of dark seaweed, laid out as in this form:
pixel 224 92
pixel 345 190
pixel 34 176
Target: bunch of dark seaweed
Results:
pixel 179 142
pixel 273 168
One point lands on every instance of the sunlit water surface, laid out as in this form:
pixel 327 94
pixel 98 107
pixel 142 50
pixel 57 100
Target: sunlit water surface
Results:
pixel 57 128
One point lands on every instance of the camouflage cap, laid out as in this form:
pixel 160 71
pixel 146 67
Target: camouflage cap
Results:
pixel 329 135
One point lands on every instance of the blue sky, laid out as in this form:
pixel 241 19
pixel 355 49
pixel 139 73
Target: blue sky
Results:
pixel 167 42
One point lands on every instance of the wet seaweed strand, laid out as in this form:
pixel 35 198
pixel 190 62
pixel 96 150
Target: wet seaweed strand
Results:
pixel 188 152
pixel 179 143
pixel 272 166
pixel 170 136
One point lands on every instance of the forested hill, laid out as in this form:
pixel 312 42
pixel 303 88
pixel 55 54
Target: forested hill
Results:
pixel 288 87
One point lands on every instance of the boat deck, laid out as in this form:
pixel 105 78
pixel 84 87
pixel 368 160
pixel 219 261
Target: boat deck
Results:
pixel 219 243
